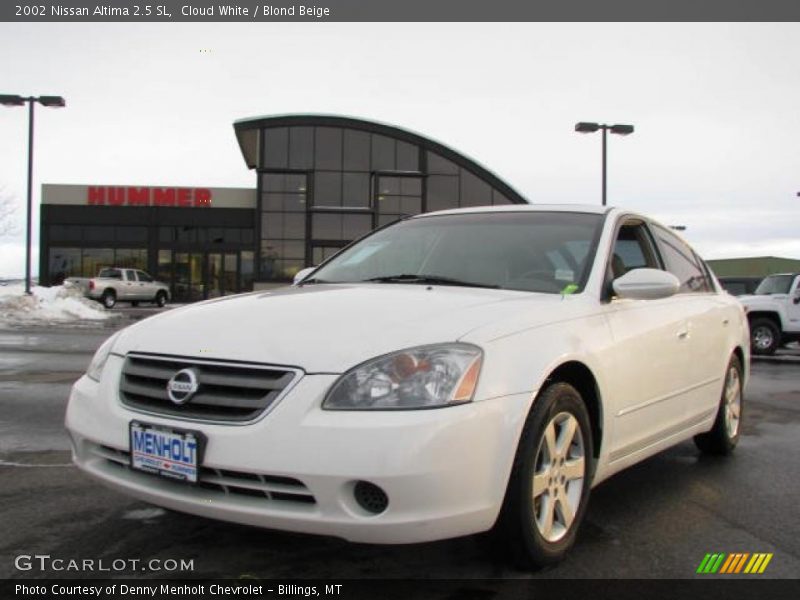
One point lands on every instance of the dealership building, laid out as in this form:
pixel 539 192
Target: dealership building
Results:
pixel 321 182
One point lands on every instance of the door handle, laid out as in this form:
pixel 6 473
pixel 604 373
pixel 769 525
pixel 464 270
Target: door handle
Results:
pixel 683 334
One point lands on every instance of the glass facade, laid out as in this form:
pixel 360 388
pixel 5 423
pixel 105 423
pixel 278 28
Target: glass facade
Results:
pixel 197 260
pixel 322 182
pixel 322 186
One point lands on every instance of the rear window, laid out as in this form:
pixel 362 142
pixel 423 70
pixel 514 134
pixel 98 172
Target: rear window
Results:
pixel 110 273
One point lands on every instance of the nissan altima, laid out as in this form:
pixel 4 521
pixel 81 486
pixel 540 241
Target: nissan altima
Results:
pixel 466 371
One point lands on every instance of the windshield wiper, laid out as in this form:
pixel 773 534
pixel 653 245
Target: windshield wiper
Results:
pixel 312 280
pixel 428 279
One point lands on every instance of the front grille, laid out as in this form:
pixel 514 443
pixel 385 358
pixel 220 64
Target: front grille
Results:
pixel 277 488
pixel 226 391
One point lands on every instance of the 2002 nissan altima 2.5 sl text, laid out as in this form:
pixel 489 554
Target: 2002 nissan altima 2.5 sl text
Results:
pixel 454 373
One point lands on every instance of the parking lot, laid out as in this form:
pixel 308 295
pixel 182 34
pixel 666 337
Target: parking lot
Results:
pixel 655 520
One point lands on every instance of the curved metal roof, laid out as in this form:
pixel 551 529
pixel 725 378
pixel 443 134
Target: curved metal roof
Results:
pixel 322 120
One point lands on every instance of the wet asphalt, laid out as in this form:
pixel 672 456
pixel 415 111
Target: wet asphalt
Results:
pixel 655 520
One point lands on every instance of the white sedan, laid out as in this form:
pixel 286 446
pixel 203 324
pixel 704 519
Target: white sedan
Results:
pixel 457 372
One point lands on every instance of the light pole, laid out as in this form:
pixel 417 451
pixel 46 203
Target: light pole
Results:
pixel 584 127
pixel 14 100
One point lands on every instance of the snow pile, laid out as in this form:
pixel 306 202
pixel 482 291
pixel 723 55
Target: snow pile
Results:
pixel 48 305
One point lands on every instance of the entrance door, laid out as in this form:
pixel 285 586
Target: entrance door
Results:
pixel 221 275
pixel 189 280
pixel 214 283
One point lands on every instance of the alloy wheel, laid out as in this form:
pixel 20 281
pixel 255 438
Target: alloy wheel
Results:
pixel 733 401
pixel 558 479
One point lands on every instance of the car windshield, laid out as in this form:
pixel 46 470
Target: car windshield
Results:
pixel 546 252
pixel 775 284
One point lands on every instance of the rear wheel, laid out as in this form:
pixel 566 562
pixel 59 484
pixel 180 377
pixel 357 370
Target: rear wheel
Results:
pixel 549 485
pixel 161 298
pixel 109 298
pixel 724 435
pixel 134 303
pixel 765 337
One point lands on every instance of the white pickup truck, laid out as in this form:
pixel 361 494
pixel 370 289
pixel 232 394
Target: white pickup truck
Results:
pixel 114 284
pixel 773 312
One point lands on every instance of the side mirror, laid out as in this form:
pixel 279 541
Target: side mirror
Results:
pixel 302 274
pixel 646 284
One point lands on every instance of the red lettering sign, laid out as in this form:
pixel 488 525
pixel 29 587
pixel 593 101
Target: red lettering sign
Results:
pixel 116 196
pixel 184 197
pixel 97 195
pixel 164 197
pixel 138 196
pixel 202 197
pixel 148 196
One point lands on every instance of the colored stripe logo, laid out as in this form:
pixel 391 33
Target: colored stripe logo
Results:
pixel 735 563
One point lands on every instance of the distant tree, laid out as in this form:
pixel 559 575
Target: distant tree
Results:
pixel 8 214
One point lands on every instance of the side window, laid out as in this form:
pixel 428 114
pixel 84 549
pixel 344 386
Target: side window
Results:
pixel 632 250
pixel 130 275
pixel 144 276
pixel 682 262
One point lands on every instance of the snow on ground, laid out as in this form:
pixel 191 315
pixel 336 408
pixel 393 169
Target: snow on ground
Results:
pixel 57 304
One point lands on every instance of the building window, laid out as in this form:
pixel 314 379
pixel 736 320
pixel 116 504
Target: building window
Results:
pixel 164 272
pixel 334 184
pixel 442 192
pixel 63 263
pixel 246 271
pixel 276 148
pixel 356 150
pixel 328 149
pixel 132 258
pixel 398 197
pixel 474 190
pixel 94 259
pixel 283 225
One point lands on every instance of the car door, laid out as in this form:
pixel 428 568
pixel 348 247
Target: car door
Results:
pixel 793 307
pixel 708 319
pixel 147 287
pixel 648 358
pixel 129 285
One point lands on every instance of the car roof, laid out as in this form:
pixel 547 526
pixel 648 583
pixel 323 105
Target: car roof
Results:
pixel 571 208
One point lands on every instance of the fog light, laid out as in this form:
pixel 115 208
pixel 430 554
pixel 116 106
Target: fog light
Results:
pixel 370 497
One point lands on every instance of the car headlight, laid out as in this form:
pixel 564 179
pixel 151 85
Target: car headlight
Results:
pixel 423 377
pixel 95 370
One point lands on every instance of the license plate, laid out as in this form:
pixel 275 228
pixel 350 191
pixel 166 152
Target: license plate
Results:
pixel 164 451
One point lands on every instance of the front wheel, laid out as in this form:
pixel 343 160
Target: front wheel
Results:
pixel 724 435
pixel 161 299
pixel 549 487
pixel 764 336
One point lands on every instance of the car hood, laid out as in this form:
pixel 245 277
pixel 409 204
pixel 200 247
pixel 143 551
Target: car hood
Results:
pixel 751 300
pixel 331 328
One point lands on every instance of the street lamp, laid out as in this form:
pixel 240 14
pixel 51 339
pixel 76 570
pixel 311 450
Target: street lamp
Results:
pixel 14 100
pixel 584 127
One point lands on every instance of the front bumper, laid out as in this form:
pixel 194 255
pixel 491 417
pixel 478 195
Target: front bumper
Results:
pixel 445 470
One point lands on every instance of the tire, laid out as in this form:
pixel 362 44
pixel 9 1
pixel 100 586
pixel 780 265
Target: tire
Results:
pixel 161 299
pixel 134 303
pixel 534 524
pixel 724 435
pixel 765 337
pixel 109 298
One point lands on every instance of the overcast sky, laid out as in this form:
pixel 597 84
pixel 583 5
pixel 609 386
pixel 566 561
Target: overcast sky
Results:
pixel 716 109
